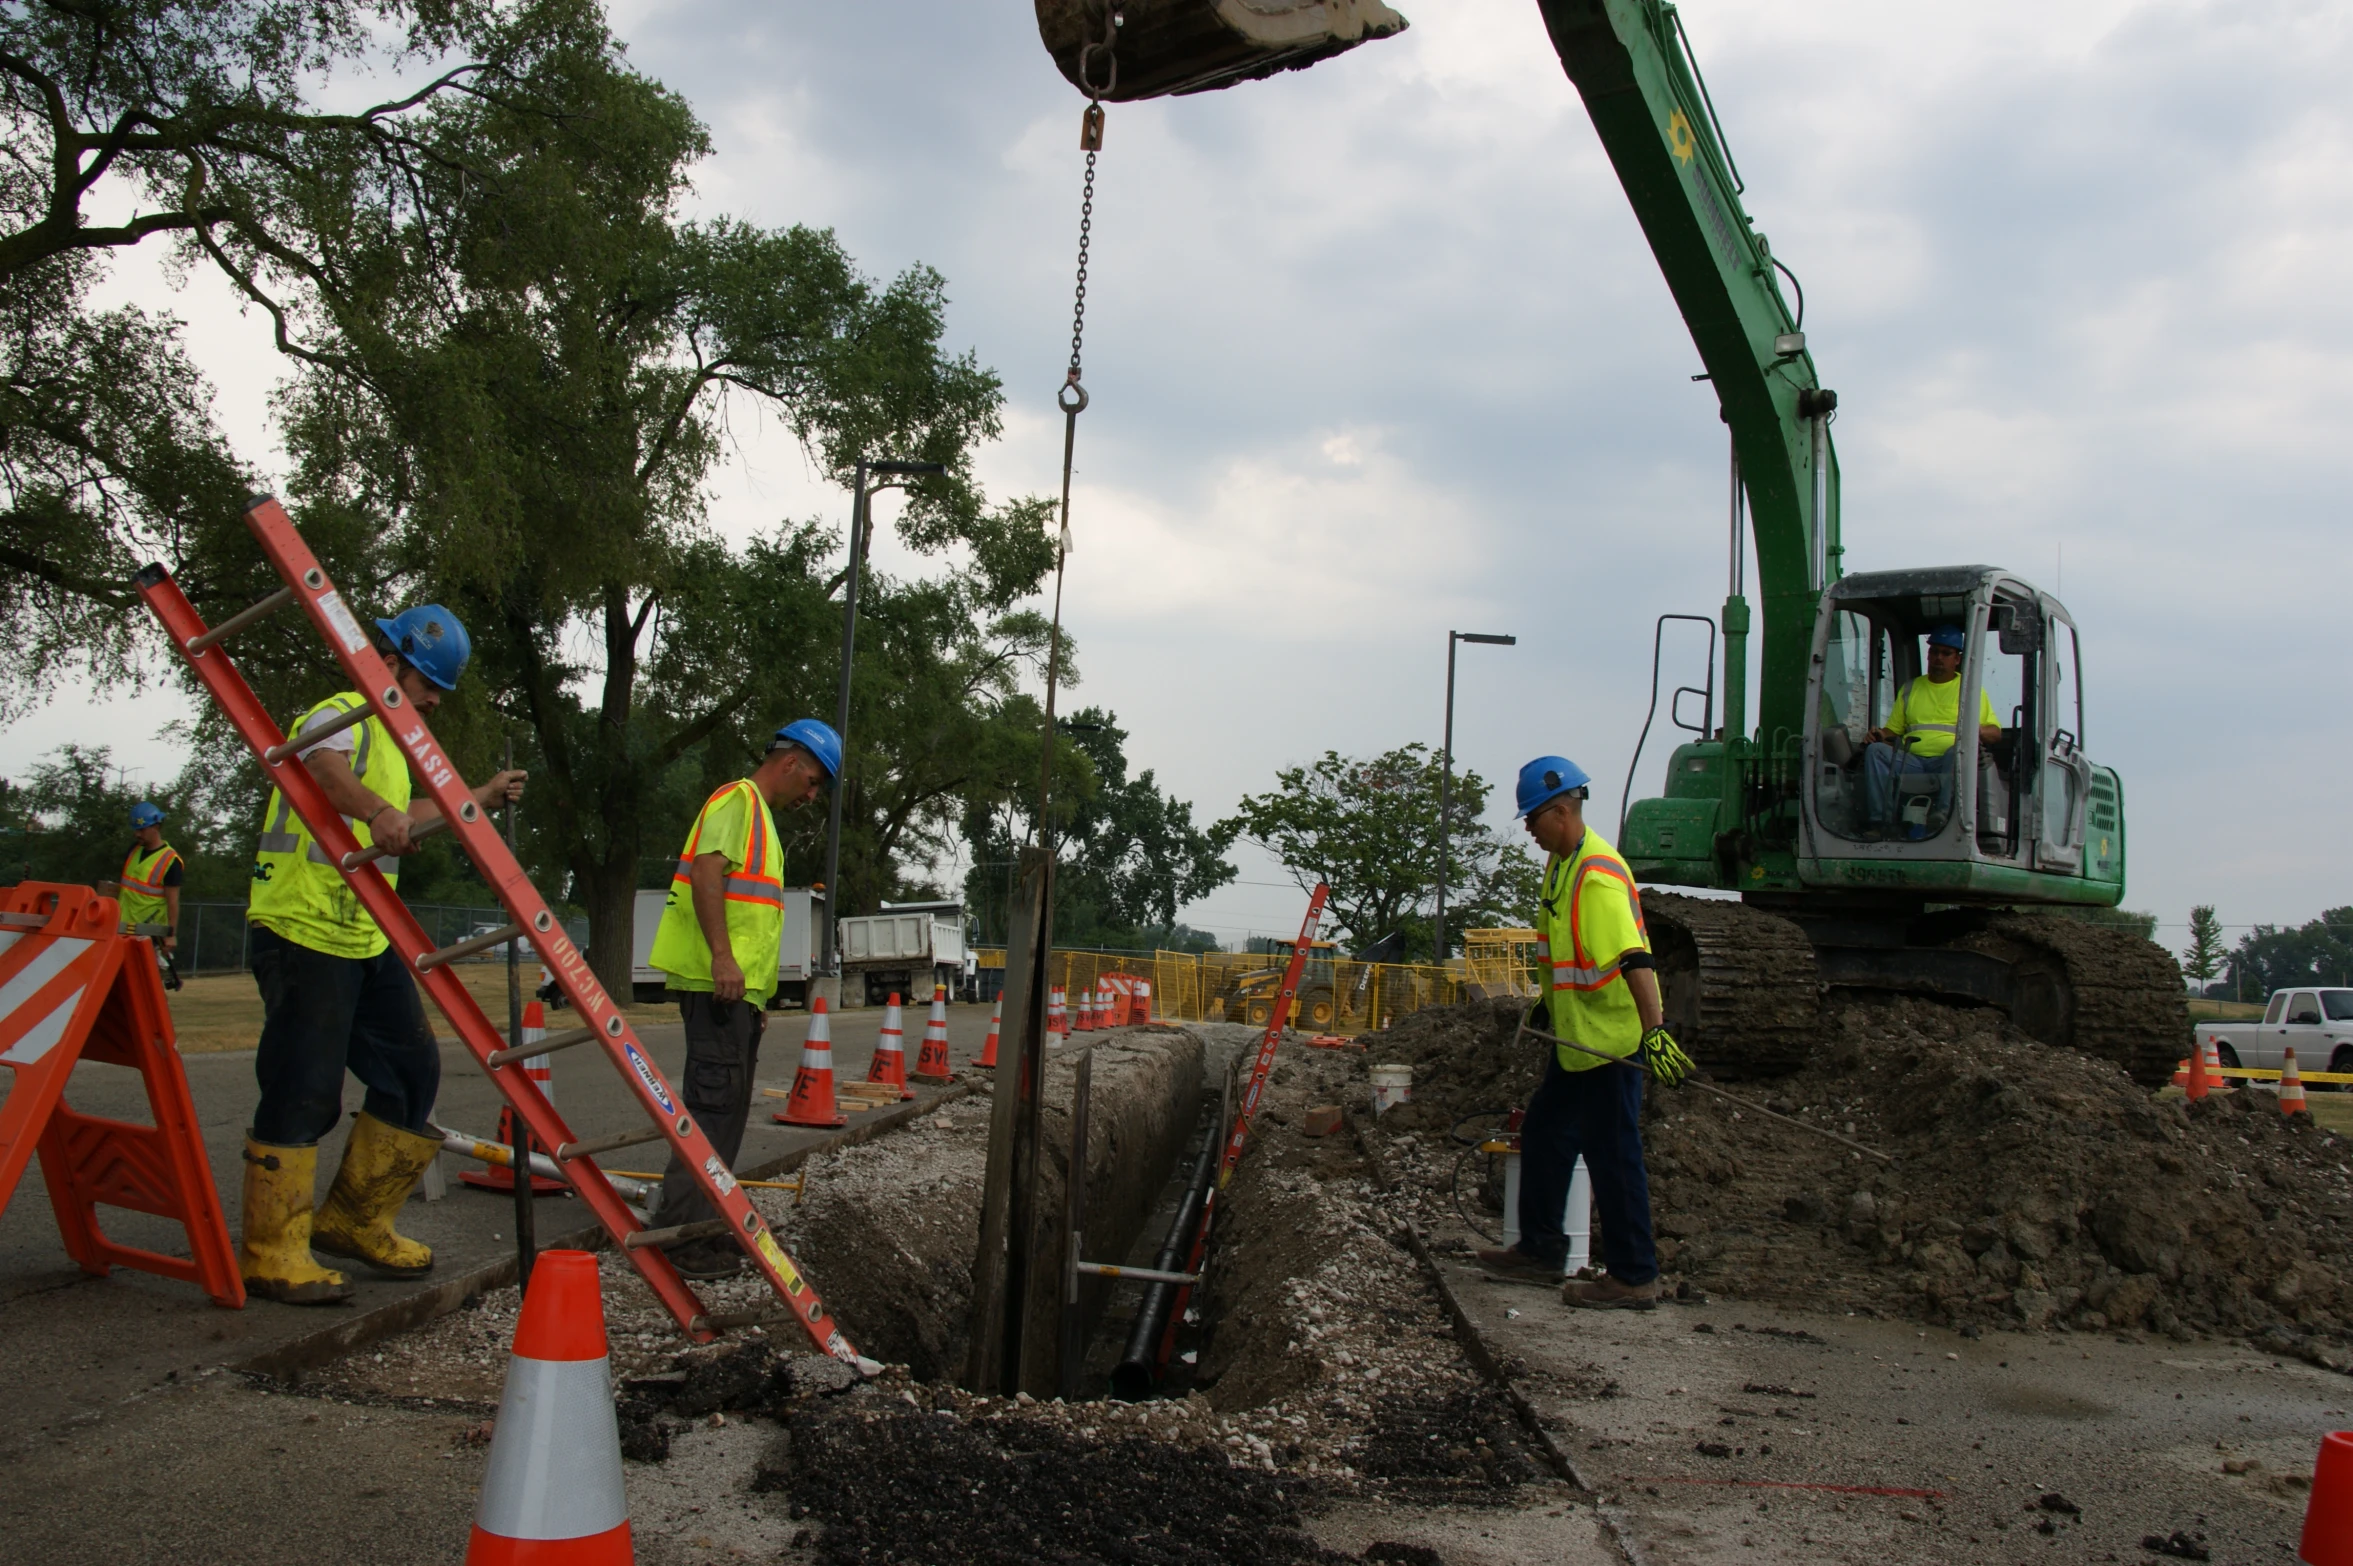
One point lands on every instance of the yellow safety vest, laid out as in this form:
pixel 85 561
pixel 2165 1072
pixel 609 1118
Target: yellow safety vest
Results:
pixel 1590 918
pixel 142 882
pixel 297 890
pixel 1930 711
pixel 754 901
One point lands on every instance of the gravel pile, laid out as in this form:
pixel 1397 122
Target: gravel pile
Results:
pixel 2032 1186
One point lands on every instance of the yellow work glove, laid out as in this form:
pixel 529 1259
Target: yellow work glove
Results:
pixel 1664 1058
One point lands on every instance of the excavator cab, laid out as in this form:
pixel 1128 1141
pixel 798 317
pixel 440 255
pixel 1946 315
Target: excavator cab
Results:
pixel 1963 814
pixel 1120 50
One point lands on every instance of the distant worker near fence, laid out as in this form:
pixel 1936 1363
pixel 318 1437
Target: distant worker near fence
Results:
pixel 1600 989
pixel 721 933
pixel 335 997
pixel 148 891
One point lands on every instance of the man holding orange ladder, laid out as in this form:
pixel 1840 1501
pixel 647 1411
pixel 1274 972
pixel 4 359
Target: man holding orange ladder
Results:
pixel 722 930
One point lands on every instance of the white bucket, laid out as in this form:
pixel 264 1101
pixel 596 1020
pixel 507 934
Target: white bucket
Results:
pixel 1392 1085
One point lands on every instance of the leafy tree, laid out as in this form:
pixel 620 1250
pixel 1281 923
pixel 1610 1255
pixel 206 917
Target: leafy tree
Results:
pixel 521 382
pixel 2204 956
pixel 202 116
pixel 1364 827
pixel 2274 957
pixel 1131 855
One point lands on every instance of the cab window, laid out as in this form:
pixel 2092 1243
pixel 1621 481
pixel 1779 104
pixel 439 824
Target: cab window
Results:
pixel 2278 1007
pixel 2304 1008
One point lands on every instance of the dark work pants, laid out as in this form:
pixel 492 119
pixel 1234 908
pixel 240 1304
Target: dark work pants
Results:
pixel 722 1048
pixel 323 1014
pixel 1597 1114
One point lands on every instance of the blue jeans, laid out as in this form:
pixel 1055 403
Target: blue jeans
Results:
pixel 322 1014
pixel 1881 764
pixel 1596 1114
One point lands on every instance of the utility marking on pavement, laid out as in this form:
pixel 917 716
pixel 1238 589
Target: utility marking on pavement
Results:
pixel 1787 1484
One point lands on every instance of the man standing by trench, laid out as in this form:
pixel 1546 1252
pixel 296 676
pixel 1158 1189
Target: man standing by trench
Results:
pixel 1603 993
pixel 149 889
pixel 721 933
pixel 334 996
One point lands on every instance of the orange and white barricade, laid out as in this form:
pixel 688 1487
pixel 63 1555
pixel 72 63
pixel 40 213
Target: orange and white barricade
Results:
pixel 553 1489
pixel 73 988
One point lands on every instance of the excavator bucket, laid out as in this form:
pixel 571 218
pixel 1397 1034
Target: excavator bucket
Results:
pixel 1160 47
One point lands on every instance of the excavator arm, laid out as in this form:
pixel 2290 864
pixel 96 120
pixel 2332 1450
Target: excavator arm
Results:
pixel 1631 63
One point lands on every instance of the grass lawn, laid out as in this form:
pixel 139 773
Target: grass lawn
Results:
pixel 222 1011
pixel 2225 1011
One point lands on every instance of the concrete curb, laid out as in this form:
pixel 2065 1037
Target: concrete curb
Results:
pixel 1481 1353
pixel 287 1362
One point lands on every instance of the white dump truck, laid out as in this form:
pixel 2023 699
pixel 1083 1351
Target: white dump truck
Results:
pixel 905 950
pixel 795 963
pixel 2316 1023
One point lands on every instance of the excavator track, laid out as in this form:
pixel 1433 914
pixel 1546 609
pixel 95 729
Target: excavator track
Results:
pixel 1741 989
pixel 2094 988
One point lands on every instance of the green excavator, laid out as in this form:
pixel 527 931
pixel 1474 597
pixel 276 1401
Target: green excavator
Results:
pixel 1860 864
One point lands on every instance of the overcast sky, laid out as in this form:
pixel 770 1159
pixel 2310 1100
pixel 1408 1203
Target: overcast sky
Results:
pixel 1377 350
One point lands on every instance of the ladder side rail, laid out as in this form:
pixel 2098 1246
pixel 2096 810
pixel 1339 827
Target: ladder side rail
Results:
pixel 245 712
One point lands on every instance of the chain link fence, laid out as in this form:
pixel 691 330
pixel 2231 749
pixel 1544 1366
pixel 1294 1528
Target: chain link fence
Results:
pixel 212 934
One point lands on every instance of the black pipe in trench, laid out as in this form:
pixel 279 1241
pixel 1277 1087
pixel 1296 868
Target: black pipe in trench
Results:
pixel 1132 1379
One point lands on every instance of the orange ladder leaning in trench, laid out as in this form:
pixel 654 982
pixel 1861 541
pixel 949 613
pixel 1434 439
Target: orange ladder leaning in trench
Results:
pixel 308 587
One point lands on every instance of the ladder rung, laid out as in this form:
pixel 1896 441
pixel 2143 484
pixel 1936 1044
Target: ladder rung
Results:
pixel 728 1321
pixel 604 1144
pixel 468 947
pixel 241 619
pixel 317 732
pixel 417 834
pixel 707 1229
pixel 553 1042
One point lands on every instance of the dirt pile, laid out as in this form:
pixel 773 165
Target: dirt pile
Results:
pixel 2032 1186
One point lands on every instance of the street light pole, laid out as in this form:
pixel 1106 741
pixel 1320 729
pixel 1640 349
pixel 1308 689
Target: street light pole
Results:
pixel 1446 771
pixel 860 530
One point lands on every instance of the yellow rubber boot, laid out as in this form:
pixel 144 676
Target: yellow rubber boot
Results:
pixel 381 1165
pixel 273 1253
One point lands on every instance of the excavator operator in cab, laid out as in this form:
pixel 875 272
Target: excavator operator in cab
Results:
pixel 1920 733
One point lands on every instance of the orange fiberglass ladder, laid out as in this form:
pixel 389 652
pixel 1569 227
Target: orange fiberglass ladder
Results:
pixel 603 1024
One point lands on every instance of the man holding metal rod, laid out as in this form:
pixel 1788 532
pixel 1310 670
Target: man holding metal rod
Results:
pixel 1602 1007
pixel 335 997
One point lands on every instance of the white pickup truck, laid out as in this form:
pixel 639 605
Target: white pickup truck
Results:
pixel 2317 1024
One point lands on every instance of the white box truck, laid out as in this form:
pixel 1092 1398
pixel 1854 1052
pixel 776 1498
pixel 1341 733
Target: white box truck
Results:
pixel 795 962
pixel 905 950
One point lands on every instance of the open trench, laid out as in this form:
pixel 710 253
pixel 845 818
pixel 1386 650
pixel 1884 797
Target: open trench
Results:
pixel 1315 1402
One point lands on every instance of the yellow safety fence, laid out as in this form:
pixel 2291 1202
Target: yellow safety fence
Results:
pixel 1336 995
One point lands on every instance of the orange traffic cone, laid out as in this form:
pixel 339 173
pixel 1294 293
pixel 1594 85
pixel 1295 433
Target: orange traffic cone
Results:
pixel 2199 1084
pixel 890 1052
pixel 2181 1072
pixel 988 1051
pixel 2291 1088
pixel 1057 1013
pixel 536 1067
pixel 931 1065
pixel 553 1490
pixel 2214 1077
pixel 2328 1515
pixel 1086 1010
pixel 811 1103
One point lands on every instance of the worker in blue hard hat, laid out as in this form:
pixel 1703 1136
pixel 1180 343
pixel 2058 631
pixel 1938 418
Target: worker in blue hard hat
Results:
pixel 718 945
pixel 148 890
pixel 1920 733
pixel 336 998
pixel 1601 991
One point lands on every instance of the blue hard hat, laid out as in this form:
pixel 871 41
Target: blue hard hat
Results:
pixel 1949 636
pixel 432 640
pixel 1545 779
pixel 145 814
pixel 819 740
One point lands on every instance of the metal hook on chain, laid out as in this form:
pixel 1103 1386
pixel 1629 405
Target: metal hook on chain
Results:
pixel 1113 21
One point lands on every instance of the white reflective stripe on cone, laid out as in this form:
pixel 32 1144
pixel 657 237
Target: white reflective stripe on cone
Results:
pixel 819 1059
pixel 555 1460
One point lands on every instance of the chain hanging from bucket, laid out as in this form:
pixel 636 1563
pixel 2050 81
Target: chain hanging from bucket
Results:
pixel 1072 398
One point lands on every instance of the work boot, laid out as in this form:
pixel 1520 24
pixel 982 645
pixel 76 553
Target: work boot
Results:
pixel 381 1165
pixel 1512 1262
pixel 706 1261
pixel 1607 1293
pixel 273 1249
